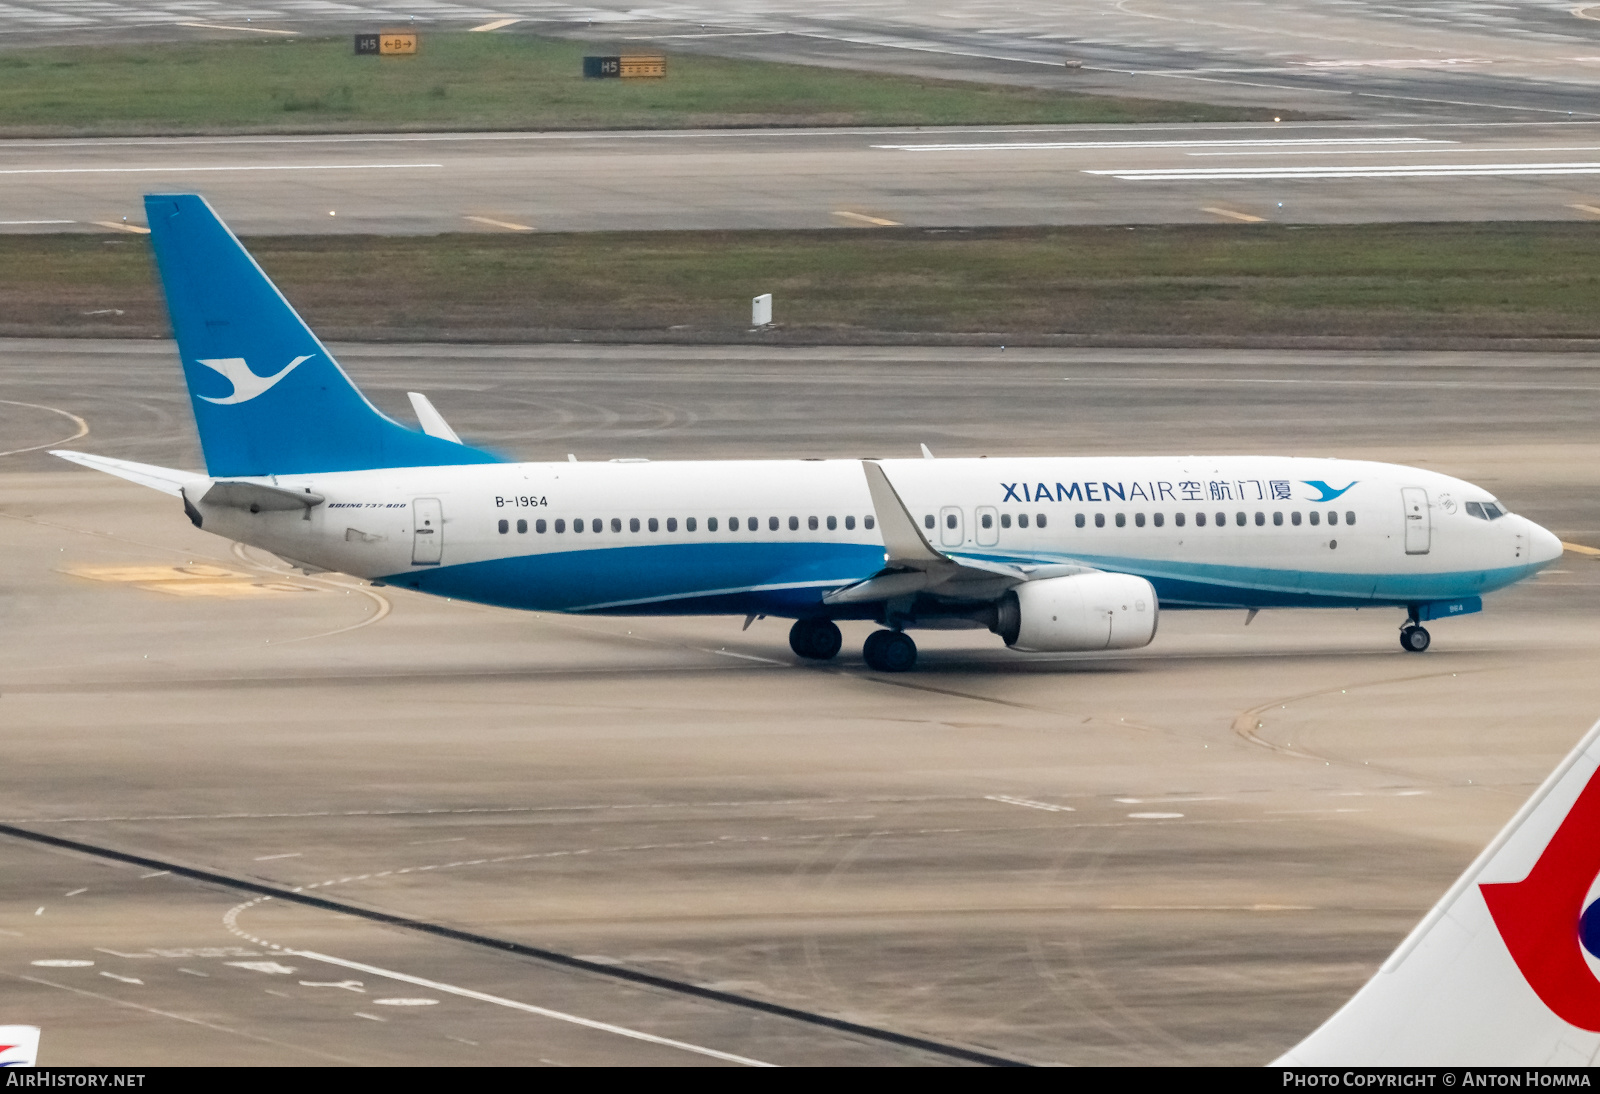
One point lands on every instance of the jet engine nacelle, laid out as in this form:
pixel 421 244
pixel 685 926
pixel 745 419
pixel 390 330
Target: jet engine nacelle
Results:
pixel 1080 612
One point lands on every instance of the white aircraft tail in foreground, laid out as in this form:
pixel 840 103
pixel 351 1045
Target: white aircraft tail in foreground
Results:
pixel 19 1046
pixel 1505 971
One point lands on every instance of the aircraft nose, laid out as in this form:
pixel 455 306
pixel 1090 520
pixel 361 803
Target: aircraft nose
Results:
pixel 1543 546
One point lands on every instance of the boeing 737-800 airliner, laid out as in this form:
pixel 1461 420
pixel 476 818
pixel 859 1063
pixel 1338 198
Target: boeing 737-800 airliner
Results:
pixel 1051 554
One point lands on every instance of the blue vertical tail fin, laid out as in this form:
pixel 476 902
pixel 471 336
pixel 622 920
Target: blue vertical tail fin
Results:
pixel 268 397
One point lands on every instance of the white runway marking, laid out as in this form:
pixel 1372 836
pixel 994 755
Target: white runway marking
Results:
pixel 230 167
pixel 252 30
pixel 11 223
pixel 1035 146
pixel 287 854
pixel 528 1008
pixel 1028 803
pixel 1384 171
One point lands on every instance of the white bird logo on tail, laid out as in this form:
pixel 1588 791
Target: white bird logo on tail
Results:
pixel 246 384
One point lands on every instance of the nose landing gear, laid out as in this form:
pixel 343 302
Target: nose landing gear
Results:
pixel 889 651
pixel 1414 639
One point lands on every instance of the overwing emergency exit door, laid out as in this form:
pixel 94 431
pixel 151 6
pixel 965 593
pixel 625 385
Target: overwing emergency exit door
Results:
pixel 1419 525
pixel 951 530
pixel 427 532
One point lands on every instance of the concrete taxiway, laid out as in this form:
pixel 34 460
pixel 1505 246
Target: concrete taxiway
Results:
pixel 838 178
pixel 1187 854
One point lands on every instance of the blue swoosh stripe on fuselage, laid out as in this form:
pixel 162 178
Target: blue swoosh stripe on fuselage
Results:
pixel 790 579
pixel 673 579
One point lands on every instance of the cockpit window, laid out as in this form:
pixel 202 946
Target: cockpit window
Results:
pixel 1485 510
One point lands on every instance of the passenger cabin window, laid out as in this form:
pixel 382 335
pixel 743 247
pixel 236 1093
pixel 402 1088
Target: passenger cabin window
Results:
pixel 833 524
pixel 711 524
pixel 1199 520
pixel 1240 519
pixel 633 524
pixel 987 520
pixel 505 525
pixel 561 526
pixel 1159 519
pixel 1333 516
pixel 1099 520
pixel 1122 520
pixel 1138 520
pixel 1316 518
pixel 1277 520
pixel 1040 520
pixel 772 524
pixel 655 525
pixel 1261 518
pixel 1178 518
pixel 950 520
pixel 1076 520
pixel 616 524
pixel 1350 517
pixel 1222 520
pixel 577 525
pixel 1022 520
pixel 539 526
pixel 672 523
pixel 688 525
pixel 927 521
pixel 522 527
pixel 867 522
pixel 1294 519
pixel 811 523
pixel 849 524
pixel 1005 520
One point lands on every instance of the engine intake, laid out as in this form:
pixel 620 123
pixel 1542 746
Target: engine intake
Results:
pixel 1077 613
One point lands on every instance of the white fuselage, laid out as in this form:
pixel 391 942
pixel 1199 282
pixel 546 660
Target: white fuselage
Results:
pixel 775 536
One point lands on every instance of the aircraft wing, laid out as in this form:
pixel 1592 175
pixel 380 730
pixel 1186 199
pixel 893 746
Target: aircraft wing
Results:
pixel 165 479
pixel 912 564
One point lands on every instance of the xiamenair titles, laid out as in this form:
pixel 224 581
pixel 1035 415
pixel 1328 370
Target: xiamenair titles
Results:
pixel 1187 490
pixel 1051 554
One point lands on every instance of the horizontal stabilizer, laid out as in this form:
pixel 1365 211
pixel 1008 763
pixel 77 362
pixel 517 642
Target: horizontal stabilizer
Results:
pixel 431 421
pixel 260 499
pixel 165 479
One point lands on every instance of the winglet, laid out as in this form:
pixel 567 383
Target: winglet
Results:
pixel 902 539
pixel 1502 971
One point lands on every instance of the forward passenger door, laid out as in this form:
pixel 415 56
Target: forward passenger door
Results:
pixel 1419 525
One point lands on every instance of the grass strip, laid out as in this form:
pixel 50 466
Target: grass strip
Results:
pixel 463 81
pixel 1416 282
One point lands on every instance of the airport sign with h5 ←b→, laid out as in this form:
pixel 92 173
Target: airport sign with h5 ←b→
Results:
pixel 626 67
pixel 388 43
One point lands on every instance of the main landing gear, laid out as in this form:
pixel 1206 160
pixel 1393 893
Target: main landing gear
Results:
pixel 815 639
pixel 1414 639
pixel 889 651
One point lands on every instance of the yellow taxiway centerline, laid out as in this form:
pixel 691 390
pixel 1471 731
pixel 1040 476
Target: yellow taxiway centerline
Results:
pixel 134 228
pixel 510 226
pixel 1230 214
pixel 496 25
pixel 877 222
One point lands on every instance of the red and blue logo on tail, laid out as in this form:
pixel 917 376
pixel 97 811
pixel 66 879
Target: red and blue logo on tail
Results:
pixel 1543 920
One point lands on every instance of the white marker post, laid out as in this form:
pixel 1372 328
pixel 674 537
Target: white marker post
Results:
pixel 761 310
